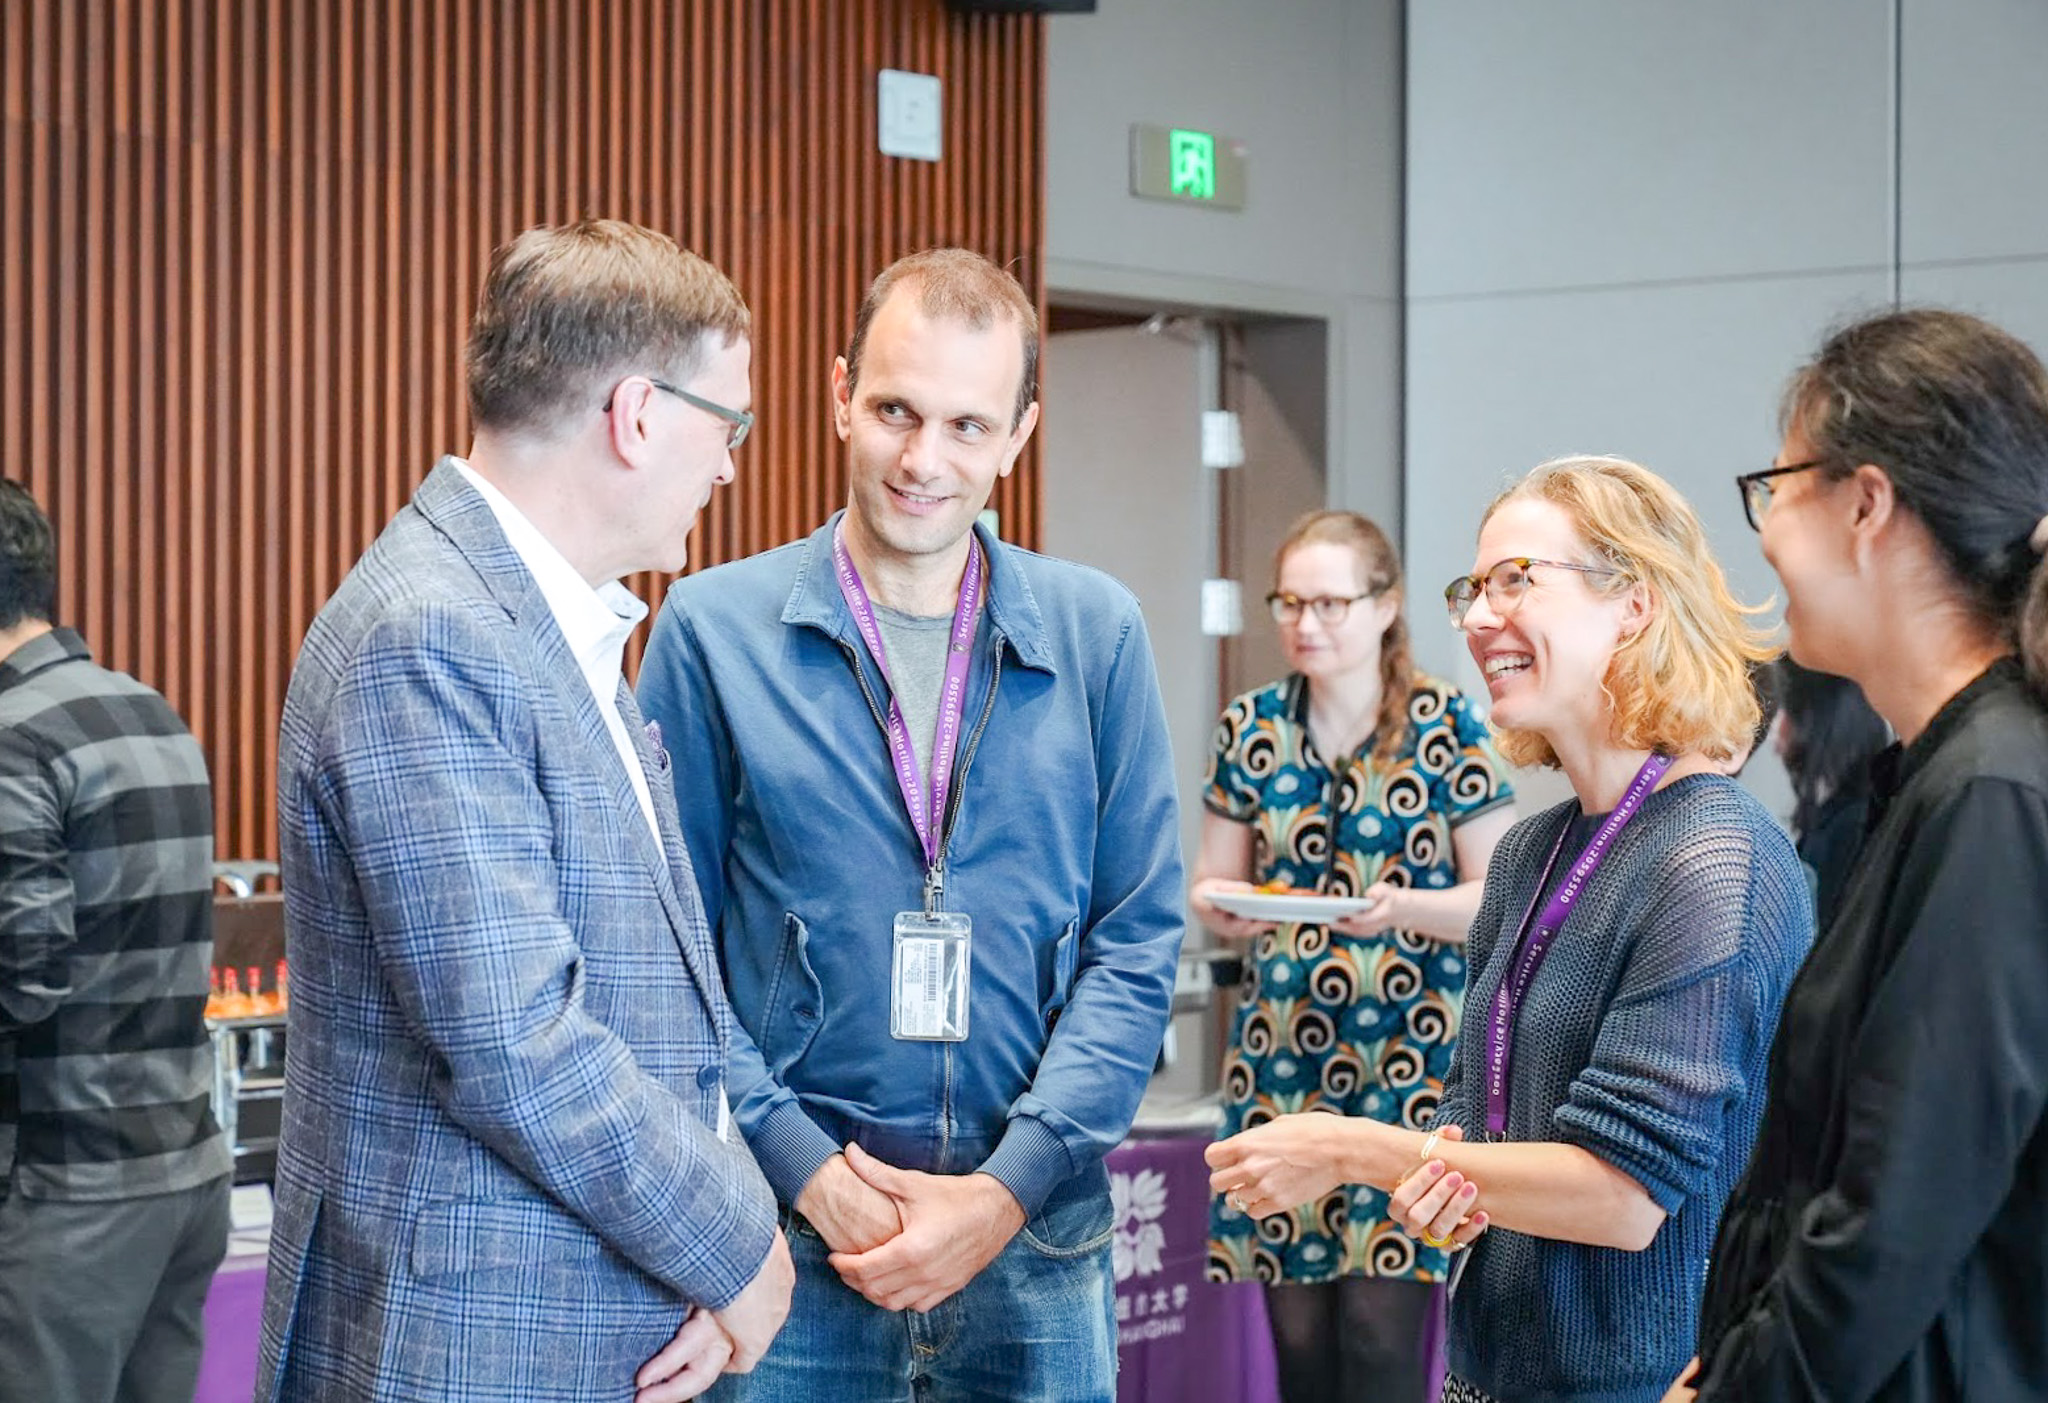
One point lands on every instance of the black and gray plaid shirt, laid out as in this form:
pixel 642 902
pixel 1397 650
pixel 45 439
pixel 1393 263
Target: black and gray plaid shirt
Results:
pixel 106 934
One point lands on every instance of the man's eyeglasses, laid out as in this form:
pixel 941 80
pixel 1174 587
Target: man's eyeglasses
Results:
pixel 1505 585
pixel 1329 609
pixel 742 422
pixel 1757 490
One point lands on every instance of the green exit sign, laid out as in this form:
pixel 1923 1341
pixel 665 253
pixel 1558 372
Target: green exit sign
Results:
pixel 1187 166
pixel 1193 170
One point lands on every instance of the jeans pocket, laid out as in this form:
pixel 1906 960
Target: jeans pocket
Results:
pixel 1077 1218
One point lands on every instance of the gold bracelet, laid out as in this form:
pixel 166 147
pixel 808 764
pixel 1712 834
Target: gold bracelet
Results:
pixel 1429 1144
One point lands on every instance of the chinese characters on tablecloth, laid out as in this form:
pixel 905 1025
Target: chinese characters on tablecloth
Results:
pixel 1147 1308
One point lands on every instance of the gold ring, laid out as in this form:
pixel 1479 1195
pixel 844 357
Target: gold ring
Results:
pixel 1438 1242
pixel 1237 1202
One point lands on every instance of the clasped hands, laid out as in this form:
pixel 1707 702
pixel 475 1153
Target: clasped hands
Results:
pixel 903 1239
pixel 906 1240
pixel 1296 1159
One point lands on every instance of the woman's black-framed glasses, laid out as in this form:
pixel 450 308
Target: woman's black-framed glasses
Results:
pixel 742 422
pixel 1505 584
pixel 1757 491
pixel 1329 609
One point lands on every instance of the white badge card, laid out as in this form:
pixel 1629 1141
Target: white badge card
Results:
pixel 1458 1261
pixel 929 998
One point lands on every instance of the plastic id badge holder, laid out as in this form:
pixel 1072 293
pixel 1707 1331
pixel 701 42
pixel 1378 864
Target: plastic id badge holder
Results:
pixel 928 993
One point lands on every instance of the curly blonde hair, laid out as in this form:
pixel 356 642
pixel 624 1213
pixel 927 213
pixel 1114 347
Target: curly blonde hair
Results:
pixel 1682 683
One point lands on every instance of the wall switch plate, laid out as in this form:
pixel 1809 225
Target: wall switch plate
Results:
pixel 910 114
pixel 1222 608
pixel 1222 439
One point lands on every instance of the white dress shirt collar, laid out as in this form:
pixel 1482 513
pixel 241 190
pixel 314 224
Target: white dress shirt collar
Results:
pixel 595 622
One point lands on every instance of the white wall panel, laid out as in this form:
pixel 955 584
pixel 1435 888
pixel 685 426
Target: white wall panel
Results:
pixel 2014 294
pixel 1683 379
pixel 1974 127
pixel 1313 87
pixel 1589 142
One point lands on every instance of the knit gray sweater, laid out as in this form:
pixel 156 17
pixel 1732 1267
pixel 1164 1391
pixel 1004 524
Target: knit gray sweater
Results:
pixel 1642 1039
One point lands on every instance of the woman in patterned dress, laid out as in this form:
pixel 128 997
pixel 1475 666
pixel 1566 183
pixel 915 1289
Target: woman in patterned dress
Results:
pixel 1358 1016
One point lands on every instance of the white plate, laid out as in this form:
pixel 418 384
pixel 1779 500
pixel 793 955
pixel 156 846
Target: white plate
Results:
pixel 1287 906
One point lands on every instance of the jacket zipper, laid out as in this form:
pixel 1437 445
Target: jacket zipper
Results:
pixel 988 710
pixel 995 681
pixel 860 675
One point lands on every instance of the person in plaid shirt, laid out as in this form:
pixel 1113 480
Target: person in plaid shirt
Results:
pixel 113 1174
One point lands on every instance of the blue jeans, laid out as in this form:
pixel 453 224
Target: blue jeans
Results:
pixel 1038 1325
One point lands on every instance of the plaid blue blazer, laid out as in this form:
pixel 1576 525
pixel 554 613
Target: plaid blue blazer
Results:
pixel 499 1176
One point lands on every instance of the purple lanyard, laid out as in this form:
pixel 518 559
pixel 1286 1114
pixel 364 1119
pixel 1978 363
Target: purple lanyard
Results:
pixel 1533 943
pixel 925 813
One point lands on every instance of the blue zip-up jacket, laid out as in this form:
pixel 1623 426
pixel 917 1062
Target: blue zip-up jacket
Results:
pixel 1064 850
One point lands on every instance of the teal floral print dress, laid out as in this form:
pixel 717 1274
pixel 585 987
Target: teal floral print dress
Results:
pixel 1362 1026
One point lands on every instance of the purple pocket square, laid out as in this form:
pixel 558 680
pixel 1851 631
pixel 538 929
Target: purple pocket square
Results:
pixel 660 751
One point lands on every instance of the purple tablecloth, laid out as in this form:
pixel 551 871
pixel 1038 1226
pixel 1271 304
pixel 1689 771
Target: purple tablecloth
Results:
pixel 234 1322
pixel 1182 1339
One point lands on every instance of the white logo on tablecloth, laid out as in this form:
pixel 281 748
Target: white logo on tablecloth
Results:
pixel 1139 1201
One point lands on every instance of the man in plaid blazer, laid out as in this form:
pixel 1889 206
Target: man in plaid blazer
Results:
pixel 113 1175
pixel 507 1169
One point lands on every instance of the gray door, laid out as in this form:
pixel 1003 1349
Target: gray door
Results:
pixel 1124 489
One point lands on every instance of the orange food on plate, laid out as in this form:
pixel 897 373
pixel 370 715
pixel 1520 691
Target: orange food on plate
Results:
pixel 1278 887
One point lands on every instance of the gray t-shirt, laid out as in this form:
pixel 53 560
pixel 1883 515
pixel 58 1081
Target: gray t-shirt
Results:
pixel 917 670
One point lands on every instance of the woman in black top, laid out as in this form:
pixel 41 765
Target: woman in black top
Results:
pixel 1890 1238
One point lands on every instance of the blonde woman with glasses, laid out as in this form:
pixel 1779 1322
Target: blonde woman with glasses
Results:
pixel 1353 777
pixel 1628 959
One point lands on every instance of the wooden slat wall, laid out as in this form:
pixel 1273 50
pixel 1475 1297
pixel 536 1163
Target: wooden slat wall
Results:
pixel 242 239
